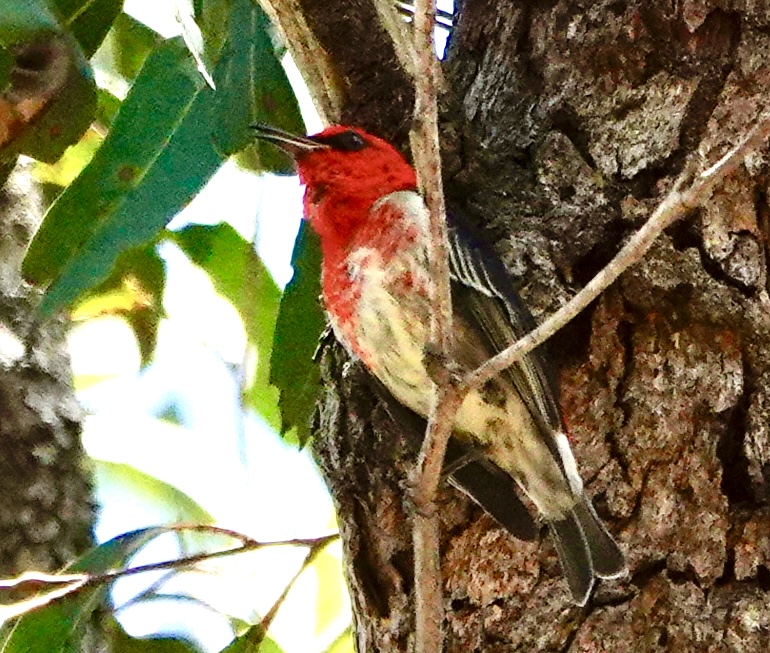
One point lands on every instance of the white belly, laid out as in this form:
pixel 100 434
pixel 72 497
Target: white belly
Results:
pixel 394 334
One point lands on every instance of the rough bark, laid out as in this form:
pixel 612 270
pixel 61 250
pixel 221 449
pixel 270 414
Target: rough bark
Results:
pixel 46 500
pixel 565 123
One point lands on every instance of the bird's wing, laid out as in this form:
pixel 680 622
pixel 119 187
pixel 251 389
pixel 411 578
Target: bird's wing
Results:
pixel 492 489
pixel 484 299
pixel 467 468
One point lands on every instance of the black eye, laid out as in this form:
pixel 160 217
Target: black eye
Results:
pixel 348 141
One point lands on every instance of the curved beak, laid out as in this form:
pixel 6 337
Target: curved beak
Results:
pixel 289 143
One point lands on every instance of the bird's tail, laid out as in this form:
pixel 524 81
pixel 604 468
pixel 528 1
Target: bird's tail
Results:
pixel 586 550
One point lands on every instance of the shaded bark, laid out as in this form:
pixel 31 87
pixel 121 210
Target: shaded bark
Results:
pixel 46 501
pixel 565 123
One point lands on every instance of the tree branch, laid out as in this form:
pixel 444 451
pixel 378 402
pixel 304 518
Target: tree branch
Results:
pixel 429 605
pixel 312 554
pixel 48 587
pixel 675 205
pixel 426 150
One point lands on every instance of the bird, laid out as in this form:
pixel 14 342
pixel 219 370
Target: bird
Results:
pixel 361 198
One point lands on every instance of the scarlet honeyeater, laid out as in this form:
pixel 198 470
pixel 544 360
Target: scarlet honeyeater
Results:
pixel 361 198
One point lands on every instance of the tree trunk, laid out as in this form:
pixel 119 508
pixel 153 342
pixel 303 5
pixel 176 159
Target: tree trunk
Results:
pixel 564 124
pixel 46 500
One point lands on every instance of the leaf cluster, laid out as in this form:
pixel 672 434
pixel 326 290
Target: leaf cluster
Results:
pixel 125 155
pixel 127 128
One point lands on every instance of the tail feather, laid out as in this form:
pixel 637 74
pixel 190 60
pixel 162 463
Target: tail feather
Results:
pixel 607 558
pixel 574 556
pixel 586 550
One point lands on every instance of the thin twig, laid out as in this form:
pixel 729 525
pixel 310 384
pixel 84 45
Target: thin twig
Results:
pixel 254 544
pixel 187 561
pixel 427 158
pixel 443 18
pixel 71 583
pixel 429 604
pixel 152 591
pixel 429 607
pixel 256 634
pixel 66 584
pixel 312 554
pixel 675 205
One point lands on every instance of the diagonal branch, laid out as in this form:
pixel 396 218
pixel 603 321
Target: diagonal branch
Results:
pixel 49 587
pixel 674 206
pixel 313 552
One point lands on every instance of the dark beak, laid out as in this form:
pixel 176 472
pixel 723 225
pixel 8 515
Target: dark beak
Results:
pixel 294 145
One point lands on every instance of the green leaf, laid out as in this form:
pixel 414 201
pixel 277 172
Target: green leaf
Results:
pixel 88 20
pixel 204 29
pixel 240 276
pixel 272 101
pixel 178 506
pixel 300 323
pixel 134 291
pixel 169 137
pixel 61 96
pixel 6 65
pixel 251 77
pixel 107 108
pixel 211 16
pixel 53 628
pixel 126 47
pixel 155 159
pixel 55 105
pixel 71 163
pixel 253 640
pixel 23 21
pixel 66 117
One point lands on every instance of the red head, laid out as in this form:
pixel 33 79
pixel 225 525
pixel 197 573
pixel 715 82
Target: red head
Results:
pixel 345 170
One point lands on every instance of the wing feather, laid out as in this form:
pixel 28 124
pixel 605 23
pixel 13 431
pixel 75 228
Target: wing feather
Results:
pixel 484 299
